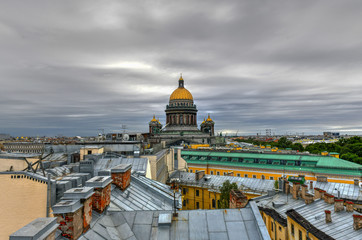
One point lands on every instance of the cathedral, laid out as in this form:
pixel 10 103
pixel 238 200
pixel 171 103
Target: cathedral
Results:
pixel 181 121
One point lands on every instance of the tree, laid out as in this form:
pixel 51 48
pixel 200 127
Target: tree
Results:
pixel 225 193
pixel 283 142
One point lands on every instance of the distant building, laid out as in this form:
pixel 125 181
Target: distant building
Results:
pixel 24 147
pixel 181 122
pixel 272 166
pixel 331 134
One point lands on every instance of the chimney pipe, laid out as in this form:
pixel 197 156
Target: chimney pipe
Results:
pixel 356 182
pixel 349 206
pixel 357 221
pixel 338 205
pixel 328 216
pixel 311 185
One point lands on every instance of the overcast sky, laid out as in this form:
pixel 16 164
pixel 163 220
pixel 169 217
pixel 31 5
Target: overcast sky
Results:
pixel 73 67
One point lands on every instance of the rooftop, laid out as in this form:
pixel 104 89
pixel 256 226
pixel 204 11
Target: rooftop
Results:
pixel 195 224
pixel 293 162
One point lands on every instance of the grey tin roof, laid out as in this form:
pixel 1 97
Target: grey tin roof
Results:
pixel 40 228
pixel 243 223
pixel 138 164
pixel 143 194
pixel 216 181
pixel 341 226
pixel 349 191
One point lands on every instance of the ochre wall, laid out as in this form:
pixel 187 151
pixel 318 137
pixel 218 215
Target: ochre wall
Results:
pixel 22 200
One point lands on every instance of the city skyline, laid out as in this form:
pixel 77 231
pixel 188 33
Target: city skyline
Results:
pixel 73 68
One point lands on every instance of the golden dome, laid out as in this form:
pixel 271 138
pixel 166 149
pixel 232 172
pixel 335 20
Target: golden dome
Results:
pixel 181 92
pixel 154 119
pixel 209 119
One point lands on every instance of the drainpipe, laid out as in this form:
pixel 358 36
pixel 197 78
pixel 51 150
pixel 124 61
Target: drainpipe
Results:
pixel 275 230
pixel 48 195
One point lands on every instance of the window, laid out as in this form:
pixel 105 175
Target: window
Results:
pixel 217 173
pixel 197 192
pixel 254 176
pixel 280 228
pixel 184 203
pixel 263 177
pixel 300 235
pixel 184 191
pixel 272 227
pixel 292 229
pixel 89 151
pixel 238 174
pixel 271 178
pixel 213 203
pixel 212 173
pixel 197 205
pixel 224 173
pixel 190 170
pixel 246 175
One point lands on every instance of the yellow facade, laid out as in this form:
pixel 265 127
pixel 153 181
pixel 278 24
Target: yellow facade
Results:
pixel 261 173
pixel 194 197
pixel 22 200
pixel 196 146
pixel 297 232
pixel 90 150
pixel 275 229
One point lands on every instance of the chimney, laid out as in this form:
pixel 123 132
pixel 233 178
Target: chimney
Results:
pixel 349 206
pixel 237 199
pixel 328 216
pixel 322 192
pixel 356 182
pixel 304 190
pixel 357 221
pixel 308 198
pixel 40 228
pixel 121 175
pixel 295 190
pixel 311 185
pixel 328 198
pixel 199 175
pixel 69 216
pixel 317 194
pixel 84 195
pixel 102 192
pixel 338 205
pixel 287 187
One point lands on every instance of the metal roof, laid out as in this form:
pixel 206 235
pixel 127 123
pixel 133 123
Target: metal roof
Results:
pixel 243 223
pixel 216 181
pixel 341 226
pixel 310 163
pixel 138 164
pixel 143 194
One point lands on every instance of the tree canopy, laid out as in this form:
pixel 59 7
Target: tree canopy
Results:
pixel 225 194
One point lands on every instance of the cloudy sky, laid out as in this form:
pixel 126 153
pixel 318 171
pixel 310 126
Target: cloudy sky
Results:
pixel 73 67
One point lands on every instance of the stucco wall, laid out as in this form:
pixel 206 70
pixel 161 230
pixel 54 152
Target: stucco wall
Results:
pixel 22 200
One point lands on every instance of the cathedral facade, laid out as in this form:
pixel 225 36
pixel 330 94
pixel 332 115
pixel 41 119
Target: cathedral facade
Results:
pixel 181 121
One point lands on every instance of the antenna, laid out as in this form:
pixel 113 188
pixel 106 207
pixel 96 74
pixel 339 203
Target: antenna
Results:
pixel 124 127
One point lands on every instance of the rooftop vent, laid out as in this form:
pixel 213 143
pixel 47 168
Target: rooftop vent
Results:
pixel 164 219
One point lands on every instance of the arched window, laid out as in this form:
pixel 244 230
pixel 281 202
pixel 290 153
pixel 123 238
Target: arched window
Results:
pixel 181 119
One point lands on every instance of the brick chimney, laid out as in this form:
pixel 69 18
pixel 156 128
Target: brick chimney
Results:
pixel 40 228
pixel 349 206
pixel 121 175
pixel 69 216
pixel 295 190
pixel 356 182
pixel 317 194
pixel 328 198
pixel 308 198
pixel 287 187
pixel 328 216
pixel 322 192
pixel 83 194
pixel 237 199
pixel 199 175
pixel 338 205
pixel 357 221
pixel 311 185
pixel 304 190
pixel 102 192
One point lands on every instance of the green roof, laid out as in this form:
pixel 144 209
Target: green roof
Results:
pixel 309 163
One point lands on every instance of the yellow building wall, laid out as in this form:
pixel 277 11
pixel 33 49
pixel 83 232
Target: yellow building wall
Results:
pixel 298 228
pixel 276 231
pixel 259 173
pixel 22 200
pixel 84 151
